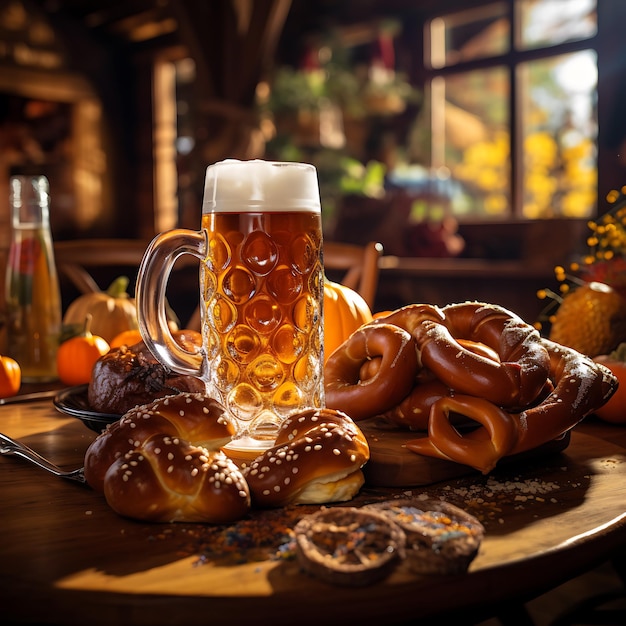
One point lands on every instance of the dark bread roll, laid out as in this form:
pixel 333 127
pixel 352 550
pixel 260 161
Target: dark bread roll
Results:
pixel 129 376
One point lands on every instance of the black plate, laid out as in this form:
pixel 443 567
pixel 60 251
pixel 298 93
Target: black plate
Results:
pixel 73 401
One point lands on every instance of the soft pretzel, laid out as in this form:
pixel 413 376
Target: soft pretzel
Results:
pixel 169 480
pixel 472 348
pixel 411 316
pixel 483 447
pixel 414 410
pixel 371 371
pixel 486 384
pixel 514 380
pixel 580 387
pixel 162 462
pixel 192 417
pixel 317 458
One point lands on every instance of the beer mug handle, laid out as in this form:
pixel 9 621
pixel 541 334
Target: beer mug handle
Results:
pixel 154 273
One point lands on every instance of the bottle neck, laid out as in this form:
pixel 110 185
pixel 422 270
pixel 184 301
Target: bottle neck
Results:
pixel 29 201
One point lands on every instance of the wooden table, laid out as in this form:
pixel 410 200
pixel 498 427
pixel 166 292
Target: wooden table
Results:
pixel 66 558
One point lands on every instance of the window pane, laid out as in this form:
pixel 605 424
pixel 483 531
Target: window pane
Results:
pixel 476 139
pixel 477 33
pixel 559 135
pixel 550 22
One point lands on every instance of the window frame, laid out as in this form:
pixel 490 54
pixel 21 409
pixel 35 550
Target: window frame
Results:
pixel 512 60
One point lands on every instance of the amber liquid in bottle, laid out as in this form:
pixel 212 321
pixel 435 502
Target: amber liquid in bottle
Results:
pixel 33 298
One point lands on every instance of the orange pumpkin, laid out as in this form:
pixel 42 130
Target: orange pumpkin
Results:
pixel 77 356
pixel 112 311
pixel 126 337
pixel 10 376
pixel 344 312
pixel 614 411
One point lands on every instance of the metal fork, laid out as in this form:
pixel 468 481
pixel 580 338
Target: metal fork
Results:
pixel 10 446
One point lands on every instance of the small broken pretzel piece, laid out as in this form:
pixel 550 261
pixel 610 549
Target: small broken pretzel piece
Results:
pixel 441 538
pixel 348 546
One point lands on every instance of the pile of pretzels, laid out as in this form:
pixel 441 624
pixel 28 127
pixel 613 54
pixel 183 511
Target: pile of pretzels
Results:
pixel 476 380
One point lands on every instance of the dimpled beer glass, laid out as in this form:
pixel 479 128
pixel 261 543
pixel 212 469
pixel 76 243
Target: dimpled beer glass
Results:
pixel 261 294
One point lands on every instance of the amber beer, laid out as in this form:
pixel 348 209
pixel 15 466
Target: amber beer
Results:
pixel 261 293
pixel 263 285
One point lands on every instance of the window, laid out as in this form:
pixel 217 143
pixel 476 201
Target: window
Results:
pixel 511 108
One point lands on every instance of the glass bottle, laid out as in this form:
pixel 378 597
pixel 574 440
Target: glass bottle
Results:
pixel 33 297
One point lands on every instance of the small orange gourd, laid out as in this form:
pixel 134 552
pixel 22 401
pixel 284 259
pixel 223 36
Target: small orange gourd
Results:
pixel 344 312
pixel 126 337
pixel 77 356
pixel 10 376
pixel 112 311
pixel 614 410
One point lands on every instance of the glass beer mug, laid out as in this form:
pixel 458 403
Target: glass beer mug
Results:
pixel 261 295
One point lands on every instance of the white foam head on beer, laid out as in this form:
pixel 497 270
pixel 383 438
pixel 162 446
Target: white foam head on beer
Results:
pixel 233 186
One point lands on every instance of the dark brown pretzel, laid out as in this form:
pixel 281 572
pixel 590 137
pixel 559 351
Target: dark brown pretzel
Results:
pixel 515 381
pixel 385 355
pixel 580 387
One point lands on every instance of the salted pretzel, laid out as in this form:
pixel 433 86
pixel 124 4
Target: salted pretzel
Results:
pixel 514 380
pixel 472 348
pixel 162 462
pixel 316 458
pixel 485 384
pixel 580 387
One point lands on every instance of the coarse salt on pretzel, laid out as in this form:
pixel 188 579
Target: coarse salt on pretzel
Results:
pixel 170 480
pixel 580 387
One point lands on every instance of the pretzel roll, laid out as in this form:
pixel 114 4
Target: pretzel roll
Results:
pixel 514 381
pixel 166 479
pixel 190 417
pixel 388 380
pixel 317 458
